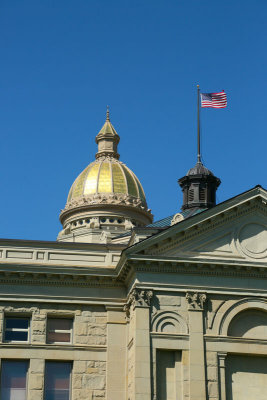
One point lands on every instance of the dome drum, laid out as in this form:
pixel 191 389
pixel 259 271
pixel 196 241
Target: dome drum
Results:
pixel 108 211
pixel 115 220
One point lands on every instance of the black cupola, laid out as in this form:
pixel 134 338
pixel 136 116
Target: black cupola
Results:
pixel 199 187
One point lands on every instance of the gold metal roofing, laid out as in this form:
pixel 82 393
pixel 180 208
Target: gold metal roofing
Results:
pixel 106 176
pixel 107 180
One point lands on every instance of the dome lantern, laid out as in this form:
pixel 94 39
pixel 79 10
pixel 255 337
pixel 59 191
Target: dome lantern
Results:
pixel 107 140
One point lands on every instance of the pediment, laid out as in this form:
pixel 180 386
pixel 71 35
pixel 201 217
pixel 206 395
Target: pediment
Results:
pixel 245 239
pixel 237 232
pixel 220 244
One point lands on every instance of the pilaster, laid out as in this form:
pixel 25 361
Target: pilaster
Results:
pixel 196 344
pixel 139 305
pixel 116 353
pixel 221 366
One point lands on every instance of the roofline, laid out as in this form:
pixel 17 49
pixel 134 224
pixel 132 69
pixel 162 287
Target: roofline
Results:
pixel 58 244
pixel 198 216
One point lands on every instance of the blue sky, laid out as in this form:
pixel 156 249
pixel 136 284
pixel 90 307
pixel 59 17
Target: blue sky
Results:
pixel 63 61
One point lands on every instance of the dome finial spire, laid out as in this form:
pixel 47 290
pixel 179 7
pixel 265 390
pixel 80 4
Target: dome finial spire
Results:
pixel 107 140
pixel 107 118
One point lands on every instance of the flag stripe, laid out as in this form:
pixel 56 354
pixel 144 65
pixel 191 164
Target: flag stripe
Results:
pixel 215 102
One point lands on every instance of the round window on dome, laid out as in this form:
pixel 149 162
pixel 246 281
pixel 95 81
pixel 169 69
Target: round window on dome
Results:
pixel 103 220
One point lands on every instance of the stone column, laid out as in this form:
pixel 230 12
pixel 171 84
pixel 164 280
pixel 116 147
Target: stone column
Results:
pixel 196 345
pixel 139 304
pixel 116 353
pixel 221 366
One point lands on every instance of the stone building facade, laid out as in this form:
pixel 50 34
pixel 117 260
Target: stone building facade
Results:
pixel 121 308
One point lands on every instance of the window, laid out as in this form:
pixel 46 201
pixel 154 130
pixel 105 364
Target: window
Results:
pixel 191 195
pixel 16 329
pixel 59 330
pixel 14 380
pixel 202 194
pixel 57 380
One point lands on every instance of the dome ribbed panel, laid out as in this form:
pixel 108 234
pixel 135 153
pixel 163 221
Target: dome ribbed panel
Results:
pixel 70 194
pixel 141 190
pixel 119 183
pixel 132 187
pixel 79 184
pixel 106 176
pixel 91 180
pixel 104 180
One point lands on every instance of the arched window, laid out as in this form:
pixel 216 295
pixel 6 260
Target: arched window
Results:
pixel 249 324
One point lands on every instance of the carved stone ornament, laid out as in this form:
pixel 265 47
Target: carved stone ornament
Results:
pixel 195 300
pixel 177 218
pixel 139 298
pixel 109 198
pixel 252 239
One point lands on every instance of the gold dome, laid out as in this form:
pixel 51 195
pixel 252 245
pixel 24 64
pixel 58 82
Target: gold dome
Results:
pixel 107 176
pixel 107 185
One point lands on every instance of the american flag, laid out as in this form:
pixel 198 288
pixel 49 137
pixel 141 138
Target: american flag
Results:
pixel 214 100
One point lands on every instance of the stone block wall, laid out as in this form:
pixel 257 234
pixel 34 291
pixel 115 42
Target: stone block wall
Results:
pixel 89 380
pixel 91 327
pixel 36 378
pixel 89 334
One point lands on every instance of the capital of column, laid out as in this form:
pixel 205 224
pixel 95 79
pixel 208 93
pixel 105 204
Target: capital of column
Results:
pixel 138 298
pixel 221 359
pixel 195 301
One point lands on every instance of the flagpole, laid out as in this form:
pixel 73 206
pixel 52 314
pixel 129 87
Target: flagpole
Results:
pixel 198 126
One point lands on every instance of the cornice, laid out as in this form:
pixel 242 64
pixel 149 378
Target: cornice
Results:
pixel 194 267
pixel 67 299
pixel 57 279
pixel 58 245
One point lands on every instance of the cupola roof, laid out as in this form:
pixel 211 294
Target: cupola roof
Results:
pixel 199 169
pixel 199 187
